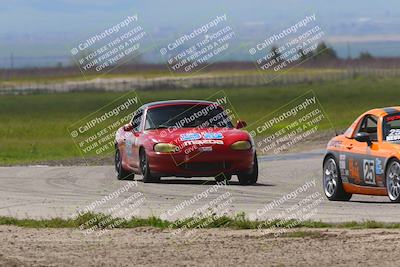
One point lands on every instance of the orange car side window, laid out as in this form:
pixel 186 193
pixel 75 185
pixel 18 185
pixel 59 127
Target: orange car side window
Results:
pixel 369 125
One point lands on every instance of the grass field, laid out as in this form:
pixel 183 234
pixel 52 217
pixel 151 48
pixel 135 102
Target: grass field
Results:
pixel 240 221
pixel 34 127
pixel 26 79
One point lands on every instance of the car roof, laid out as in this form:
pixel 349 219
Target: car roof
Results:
pixel 175 102
pixel 380 112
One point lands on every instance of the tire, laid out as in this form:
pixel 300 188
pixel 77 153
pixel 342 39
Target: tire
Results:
pixel 332 182
pixel 250 178
pixel 145 168
pixel 393 180
pixel 223 177
pixel 122 174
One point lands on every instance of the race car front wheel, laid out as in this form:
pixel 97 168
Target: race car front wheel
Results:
pixel 252 177
pixel 393 180
pixel 332 182
pixel 121 173
pixel 145 169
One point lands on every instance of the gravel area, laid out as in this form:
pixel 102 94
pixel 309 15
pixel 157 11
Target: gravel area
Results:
pixel 214 247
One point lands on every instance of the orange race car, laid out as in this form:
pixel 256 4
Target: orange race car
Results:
pixel 365 159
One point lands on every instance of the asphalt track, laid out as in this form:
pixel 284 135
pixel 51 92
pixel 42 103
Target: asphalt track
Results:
pixel 45 192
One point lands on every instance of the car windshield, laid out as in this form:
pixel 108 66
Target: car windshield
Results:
pixel 391 128
pixel 188 116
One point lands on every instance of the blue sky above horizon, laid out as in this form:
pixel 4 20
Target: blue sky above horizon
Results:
pixel 33 16
pixel 50 27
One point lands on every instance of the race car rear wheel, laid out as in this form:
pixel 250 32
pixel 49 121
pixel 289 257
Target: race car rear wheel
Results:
pixel 122 174
pixel 250 178
pixel 393 180
pixel 145 168
pixel 332 182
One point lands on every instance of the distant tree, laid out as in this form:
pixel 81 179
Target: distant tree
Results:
pixel 304 56
pixel 324 52
pixel 277 54
pixel 365 55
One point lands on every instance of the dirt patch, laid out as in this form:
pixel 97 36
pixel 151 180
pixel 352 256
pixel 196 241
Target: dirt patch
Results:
pixel 150 246
pixel 76 161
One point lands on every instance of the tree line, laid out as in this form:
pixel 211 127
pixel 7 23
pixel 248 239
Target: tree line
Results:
pixel 321 53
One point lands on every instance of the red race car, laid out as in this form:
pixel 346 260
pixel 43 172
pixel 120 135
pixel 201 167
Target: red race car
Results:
pixel 185 138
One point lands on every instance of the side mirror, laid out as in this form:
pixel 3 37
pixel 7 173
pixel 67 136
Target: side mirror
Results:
pixel 128 127
pixel 240 124
pixel 363 137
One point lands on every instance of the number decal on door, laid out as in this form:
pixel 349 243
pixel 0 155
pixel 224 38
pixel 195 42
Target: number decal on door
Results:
pixel 369 171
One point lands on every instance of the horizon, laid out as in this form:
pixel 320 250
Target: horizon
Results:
pixel 41 33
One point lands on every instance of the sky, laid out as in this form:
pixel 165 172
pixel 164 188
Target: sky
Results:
pixel 48 28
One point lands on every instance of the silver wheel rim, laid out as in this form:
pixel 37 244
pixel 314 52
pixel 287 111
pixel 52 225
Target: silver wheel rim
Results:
pixel 330 177
pixel 393 181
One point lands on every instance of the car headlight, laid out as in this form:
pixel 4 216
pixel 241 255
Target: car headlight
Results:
pixel 241 145
pixel 166 148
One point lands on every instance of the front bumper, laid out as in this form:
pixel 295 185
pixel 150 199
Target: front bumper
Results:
pixel 201 163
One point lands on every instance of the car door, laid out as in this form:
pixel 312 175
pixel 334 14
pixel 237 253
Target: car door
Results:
pixel 363 157
pixel 132 142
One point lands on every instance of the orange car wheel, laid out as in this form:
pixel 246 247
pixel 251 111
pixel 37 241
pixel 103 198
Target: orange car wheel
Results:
pixel 393 180
pixel 332 182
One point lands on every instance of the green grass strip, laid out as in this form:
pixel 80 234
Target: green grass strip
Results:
pixel 240 221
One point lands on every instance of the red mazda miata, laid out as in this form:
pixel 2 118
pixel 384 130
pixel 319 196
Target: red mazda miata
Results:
pixel 185 138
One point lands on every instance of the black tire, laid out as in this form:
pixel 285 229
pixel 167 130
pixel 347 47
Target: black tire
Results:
pixel 250 178
pixel 223 177
pixel 392 176
pixel 122 174
pixel 332 181
pixel 145 168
